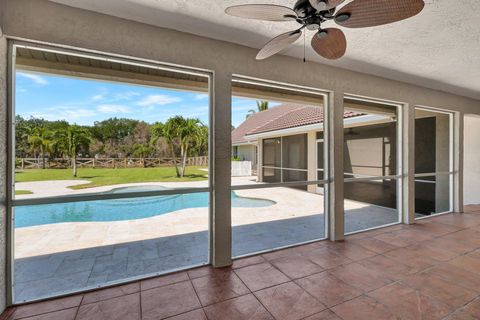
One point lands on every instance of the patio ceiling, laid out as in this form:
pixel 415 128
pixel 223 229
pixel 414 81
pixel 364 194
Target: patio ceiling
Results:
pixel 437 49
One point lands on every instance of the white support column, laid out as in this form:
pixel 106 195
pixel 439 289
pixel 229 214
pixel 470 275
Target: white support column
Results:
pixel 260 160
pixel 312 160
pixel 221 222
pixel 458 150
pixel 335 154
pixel 408 165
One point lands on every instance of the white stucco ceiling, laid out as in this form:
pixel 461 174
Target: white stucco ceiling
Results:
pixel 439 48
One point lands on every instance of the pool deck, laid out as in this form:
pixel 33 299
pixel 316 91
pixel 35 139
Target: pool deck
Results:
pixel 62 257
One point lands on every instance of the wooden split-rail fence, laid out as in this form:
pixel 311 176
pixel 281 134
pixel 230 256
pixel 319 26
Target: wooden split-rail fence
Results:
pixel 60 163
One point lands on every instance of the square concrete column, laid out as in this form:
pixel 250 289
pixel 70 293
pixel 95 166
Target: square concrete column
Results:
pixel 220 153
pixel 312 160
pixel 335 167
pixel 458 150
pixel 407 167
pixel 3 169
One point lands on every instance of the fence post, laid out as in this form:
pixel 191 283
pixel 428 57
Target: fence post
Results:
pixel 125 162
pixel 93 163
pixel 23 163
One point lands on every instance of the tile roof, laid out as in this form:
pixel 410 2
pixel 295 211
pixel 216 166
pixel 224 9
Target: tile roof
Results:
pixel 281 117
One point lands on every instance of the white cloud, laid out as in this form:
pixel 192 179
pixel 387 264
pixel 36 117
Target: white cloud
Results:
pixel 201 96
pixel 157 99
pixel 98 97
pixel 113 108
pixel 38 80
pixel 125 95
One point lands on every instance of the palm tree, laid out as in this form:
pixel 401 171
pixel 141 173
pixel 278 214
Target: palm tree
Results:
pixel 71 140
pixel 41 139
pixel 262 105
pixel 180 134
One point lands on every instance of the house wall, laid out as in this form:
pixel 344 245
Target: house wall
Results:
pixel 53 23
pixel 472 160
pixel 246 152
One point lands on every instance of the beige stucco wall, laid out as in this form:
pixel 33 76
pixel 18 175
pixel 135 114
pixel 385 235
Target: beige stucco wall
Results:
pixel 57 24
pixel 472 160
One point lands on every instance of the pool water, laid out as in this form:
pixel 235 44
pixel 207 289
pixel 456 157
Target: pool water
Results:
pixel 122 209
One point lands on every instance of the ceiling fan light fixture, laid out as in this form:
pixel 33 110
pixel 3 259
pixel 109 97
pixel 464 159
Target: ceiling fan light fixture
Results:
pixel 342 17
pixel 321 34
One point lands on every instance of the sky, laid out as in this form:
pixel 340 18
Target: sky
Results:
pixel 83 101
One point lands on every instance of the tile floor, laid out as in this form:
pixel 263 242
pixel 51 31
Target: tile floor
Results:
pixel 430 270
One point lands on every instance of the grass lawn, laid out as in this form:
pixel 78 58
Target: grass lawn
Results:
pixel 103 177
pixel 20 192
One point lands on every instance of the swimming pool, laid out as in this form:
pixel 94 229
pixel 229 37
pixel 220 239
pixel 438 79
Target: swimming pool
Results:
pixel 122 209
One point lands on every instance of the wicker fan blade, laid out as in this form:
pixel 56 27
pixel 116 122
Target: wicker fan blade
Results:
pixel 278 43
pixel 370 13
pixel 262 12
pixel 325 4
pixel 330 43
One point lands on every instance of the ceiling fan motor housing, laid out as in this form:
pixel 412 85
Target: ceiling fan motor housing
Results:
pixel 304 9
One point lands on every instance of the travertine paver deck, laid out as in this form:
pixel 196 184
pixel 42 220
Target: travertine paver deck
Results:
pixel 423 271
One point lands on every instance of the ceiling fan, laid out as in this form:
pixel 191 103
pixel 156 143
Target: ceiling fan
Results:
pixel 329 43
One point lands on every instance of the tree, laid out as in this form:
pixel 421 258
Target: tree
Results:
pixel 71 140
pixel 41 139
pixel 141 151
pixel 262 105
pixel 181 134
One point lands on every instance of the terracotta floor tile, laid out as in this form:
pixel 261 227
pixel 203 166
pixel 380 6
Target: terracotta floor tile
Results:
pixel 414 233
pixel 217 288
pixel 432 251
pixel 261 276
pixel 434 228
pixel 163 280
pixel 245 262
pixel 206 271
pixel 324 315
pixel 296 267
pixel 445 291
pixel 361 277
pixel 67 314
pixel 473 308
pixel 469 235
pixel 457 275
pixel 351 250
pixel 46 306
pixel 241 308
pixel 459 220
pixel 363 308
pixel 167 301
pixel 454 245
pixel 375 245
pixel 109 293
pixel 408 303
pixel 124 307
pixel 288 301
pixel 389 267
pixel 466 262
pixel 327 258
pixel 311 246
pixel 328 289
pixel 395 239
pixel 192 315
pixel 411 258
pixel 281 253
